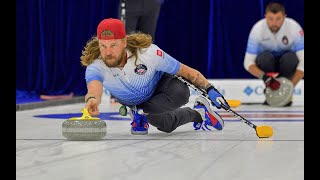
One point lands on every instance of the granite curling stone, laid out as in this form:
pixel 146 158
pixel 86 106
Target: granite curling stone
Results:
pixel 84 128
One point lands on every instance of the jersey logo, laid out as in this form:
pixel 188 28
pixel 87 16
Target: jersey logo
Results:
pixel 140 69
pixel 159 53
pixel 285 40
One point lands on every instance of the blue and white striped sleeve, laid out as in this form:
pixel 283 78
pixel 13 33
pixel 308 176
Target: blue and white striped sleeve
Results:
pixel 299 41
pixel 253 43
pixel 164 62
pixel 93 73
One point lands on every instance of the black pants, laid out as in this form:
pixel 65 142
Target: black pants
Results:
pixel 164 107
pixel 286 64
pixel 140 15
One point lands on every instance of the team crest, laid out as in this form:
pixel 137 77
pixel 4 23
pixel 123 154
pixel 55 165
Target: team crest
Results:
pixel 140 69
pixel 285 40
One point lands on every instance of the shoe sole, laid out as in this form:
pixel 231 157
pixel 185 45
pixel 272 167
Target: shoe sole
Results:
pixel 209 107
pixel 138 132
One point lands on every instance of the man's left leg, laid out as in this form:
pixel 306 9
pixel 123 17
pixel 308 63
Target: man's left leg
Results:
pixel 163 108
pixel 288 64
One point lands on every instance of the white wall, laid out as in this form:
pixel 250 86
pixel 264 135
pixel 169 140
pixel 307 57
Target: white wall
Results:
pixel 250 90
pixel 246 90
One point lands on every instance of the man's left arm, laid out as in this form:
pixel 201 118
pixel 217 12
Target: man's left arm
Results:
pixel 194 76
pixel 197 79
pixel 168 64
pixel 299 74
pixel 298 47
pixel 164 62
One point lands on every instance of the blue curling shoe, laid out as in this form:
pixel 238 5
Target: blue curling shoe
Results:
pixel 210 118
pixel 139 124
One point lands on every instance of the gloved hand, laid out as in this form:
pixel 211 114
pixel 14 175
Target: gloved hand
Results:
pixel 271 82
pixel 216 97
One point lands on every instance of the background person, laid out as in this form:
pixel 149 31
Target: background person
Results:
pixel 275 45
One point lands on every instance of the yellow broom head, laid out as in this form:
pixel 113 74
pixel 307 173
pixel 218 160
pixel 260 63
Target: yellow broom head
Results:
pixel 264 131
pixel 233 103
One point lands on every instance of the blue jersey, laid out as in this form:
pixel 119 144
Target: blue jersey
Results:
pixel 133 85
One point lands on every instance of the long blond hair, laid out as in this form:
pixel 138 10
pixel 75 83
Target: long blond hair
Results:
pixel 135 42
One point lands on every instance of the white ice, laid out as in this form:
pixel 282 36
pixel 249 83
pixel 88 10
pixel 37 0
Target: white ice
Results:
pixel 235 153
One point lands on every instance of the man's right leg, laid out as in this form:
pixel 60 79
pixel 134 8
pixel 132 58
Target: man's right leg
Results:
pixel 170 120
pixel 266 62
pixel 202 114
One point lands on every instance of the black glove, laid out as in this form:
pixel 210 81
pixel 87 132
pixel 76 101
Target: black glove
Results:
pixel 271 82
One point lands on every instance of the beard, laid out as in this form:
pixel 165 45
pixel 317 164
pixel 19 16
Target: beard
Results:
pixel 113 61
pixel 274 29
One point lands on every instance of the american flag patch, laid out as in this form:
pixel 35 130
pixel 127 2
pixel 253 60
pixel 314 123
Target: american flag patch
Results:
pixel 159 53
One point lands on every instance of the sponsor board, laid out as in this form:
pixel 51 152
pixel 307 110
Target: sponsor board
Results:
pixel 248 90
pixel 245 90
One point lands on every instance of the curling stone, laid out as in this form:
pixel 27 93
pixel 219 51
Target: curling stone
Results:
pixel 84 128
pixel 281 96
pixel 123 110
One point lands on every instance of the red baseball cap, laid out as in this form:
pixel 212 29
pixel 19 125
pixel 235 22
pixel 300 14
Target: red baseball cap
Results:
pixel 116 26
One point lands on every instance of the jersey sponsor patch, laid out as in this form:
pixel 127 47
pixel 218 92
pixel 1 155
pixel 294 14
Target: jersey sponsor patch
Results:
pixel 159 53
pixel 140 69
